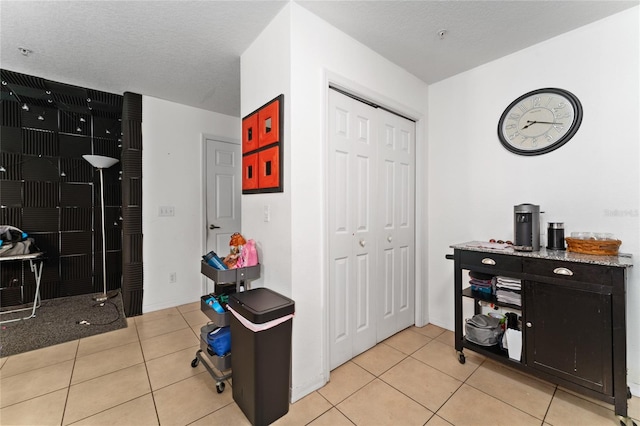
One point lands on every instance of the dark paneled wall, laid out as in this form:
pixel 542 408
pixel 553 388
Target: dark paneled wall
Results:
pixel 132 282
pixel 49 191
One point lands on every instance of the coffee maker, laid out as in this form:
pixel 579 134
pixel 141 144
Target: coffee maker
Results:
pixel 526 227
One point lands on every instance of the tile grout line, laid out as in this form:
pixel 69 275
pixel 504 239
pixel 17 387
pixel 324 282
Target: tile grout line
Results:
pixel 66 399
pixel 117 405
pixel 204 372
pixel 146 369
pixel 155 406
pixel 40 368
pixel 406 356
pixel 546 413
pixel 505 402
pixel 144 361
pixel 326 411
pixel 462 382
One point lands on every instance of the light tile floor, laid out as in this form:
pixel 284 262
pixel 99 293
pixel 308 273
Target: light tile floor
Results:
pixel 142 375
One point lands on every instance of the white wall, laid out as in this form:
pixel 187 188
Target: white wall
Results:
pixel 172 176
pixel 591 183
pixel 294 246
pixel 265 74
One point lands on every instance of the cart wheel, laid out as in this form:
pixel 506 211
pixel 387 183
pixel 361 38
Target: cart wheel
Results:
pixel 461 358
pixel 195 363
pixel 220 387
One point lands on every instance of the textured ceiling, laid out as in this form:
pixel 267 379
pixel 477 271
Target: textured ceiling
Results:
pixel 477 32
pixel 189 51
pixel 184 51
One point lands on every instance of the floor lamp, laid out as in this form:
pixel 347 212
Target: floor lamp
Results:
pixel 100 162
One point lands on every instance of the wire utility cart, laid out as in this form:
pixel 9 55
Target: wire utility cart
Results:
pixel 205 354
pixel 226 282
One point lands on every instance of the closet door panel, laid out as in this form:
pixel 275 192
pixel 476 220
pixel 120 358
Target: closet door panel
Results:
pixel 396 229
pixel 351 219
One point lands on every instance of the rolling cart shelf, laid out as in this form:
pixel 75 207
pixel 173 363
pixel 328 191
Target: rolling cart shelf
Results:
pixel 489 298
pixel 209 359
pixel 220 320
pixel 229 281
pixel 236 276
pixel 492 352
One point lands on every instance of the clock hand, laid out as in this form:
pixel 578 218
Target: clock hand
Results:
pixel 541 122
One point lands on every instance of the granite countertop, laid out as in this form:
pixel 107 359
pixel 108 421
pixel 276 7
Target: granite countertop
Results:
pixel 622 260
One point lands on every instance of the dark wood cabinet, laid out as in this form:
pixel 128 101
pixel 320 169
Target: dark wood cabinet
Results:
pixel 568 334
pixel 573 316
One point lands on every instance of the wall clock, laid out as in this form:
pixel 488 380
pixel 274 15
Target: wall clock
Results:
pixel 540 121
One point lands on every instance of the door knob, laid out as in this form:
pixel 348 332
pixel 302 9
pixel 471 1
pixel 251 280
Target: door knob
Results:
pixel 529 325
pixel 389 238
pixel 213 227
pixel 363 243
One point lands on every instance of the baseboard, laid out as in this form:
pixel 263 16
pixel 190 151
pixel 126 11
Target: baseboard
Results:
pixel 300 392
pixel 635 389
pixel 165 305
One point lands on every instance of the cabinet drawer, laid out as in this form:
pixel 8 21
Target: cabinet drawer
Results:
pixel 583 272
pixel 490 261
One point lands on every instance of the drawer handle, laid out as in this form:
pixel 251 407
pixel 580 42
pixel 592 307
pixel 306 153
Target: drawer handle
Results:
pixel 488 261
pixel 563 271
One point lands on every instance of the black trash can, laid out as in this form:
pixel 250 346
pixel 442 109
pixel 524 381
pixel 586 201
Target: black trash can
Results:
pixel 261 323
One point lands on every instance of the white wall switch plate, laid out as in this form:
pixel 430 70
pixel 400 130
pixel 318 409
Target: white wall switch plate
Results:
pixel 165 211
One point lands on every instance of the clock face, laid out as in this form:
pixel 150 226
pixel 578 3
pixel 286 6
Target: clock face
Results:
pixel 540 121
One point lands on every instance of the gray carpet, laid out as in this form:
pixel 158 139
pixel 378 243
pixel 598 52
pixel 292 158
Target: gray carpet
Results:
pixel 58 321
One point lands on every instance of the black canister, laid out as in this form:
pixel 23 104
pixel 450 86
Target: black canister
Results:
pixel 555 236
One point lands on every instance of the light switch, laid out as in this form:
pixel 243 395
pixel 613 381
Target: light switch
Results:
pixel 267 213
pixel 165 211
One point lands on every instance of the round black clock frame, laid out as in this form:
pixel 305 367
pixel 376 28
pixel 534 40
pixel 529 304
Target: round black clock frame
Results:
pixel 526 104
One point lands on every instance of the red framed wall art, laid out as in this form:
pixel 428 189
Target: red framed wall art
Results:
pixel 262 132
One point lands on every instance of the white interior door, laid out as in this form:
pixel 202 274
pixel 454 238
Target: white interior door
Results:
pixel 223 191
pixel 371 226
pixel 352 216
pixel 396 224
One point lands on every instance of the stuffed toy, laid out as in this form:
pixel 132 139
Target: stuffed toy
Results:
pixel 235 247
pixel 248 255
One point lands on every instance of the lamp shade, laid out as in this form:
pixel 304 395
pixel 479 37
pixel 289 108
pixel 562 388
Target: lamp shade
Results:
pixel 100 161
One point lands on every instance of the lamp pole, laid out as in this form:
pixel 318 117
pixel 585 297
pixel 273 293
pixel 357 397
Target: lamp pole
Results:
pixel 103 296
pixel 100 162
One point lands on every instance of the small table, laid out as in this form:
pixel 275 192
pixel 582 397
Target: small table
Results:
pixel 35 264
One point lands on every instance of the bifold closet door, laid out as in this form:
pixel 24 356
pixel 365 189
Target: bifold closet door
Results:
pixel 352 152
pixel 371 225
pixel 395 226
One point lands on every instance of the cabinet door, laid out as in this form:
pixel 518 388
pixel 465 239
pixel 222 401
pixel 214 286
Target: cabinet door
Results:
pixel 568 333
